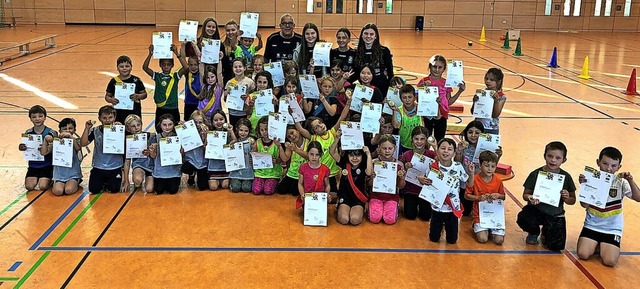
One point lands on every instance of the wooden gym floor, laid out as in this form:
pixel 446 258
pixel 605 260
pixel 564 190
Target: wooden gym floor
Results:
pixel 224 240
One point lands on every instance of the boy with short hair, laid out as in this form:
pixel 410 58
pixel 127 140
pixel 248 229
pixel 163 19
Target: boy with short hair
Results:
pixel 486 187
pixel 107 168
pixel 165 94
pixel 536 214
pixel 124 66
pixel 405 117
pixel 603 227
pixel 39 173
pixel 66 179
pixel 246 50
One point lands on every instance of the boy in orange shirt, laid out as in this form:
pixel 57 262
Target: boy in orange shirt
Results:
pixel 486 187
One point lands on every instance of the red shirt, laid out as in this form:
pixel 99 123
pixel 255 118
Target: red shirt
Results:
pixel 310 177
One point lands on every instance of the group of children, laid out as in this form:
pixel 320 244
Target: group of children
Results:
pixel 310 159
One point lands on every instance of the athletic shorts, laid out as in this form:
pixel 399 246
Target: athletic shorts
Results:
pixel 601 237
pixel 496 232
pixel 46 172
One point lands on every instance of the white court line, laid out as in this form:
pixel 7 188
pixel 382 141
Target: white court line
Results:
pixel 146 85
pixel 42 94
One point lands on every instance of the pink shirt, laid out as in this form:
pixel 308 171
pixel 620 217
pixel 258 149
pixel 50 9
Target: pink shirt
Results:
pixel 410 188
pixel 442 91
pixel 310 175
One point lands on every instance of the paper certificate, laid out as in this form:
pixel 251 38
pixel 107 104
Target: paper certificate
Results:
pixel 412 176
pixel 396 154
pixel 189 135
pixel 283 108
pixel 113 142
pixel 188 30
pixel 548 188
pixel 233 157
pixel 263 102
pixel 63 152
pixel 385 180
pixel 455 74
pixel 309 86
pixel 492 214
pixel 484 106
pixel 370 117
pixel 290 107
pixel 234 98
pixel 210 51
pixel 277 128
pixel 33 143
pixel 352 137
pixel 595 191
pixel 420 165
pixel 261 161
pixel 275 68
pixel 162 45
pixel 361 94
pixel 315 209
pixel 170 151
pixel 123 95
pixel 486 142
pixel 135 145
pixel 436 193
pixel 393 97
pixel 321 54
pixel 249 24
pixel 216 140
pixel 427 104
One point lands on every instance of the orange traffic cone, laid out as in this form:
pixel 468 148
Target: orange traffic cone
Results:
pixel 631 88
pixel 585 69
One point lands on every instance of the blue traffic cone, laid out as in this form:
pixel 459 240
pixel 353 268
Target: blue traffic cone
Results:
pixel 554 58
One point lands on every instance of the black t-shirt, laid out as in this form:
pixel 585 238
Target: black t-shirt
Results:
pixel 382 68
pixel 122 114
pixel 329 120
pixel 569 185
pixel 357 173
pixel 348 58
pixel 280 49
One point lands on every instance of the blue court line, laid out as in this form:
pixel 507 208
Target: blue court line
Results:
pixel 15 266
pixel 294 250
pixel 58 221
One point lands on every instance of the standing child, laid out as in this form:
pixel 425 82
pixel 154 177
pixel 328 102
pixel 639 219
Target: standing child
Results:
pixel 257 65
pixel 239 69
pixel 352 192
pixel 447 215
pixel 414 206
pixel 124 66
pixel 295 152
pixel 39 173
pixel 65 179
pixel 165 178
pixel 195 165
pixel 107 168
pixel 603 227
pixel 314 175
pixel 165 94
pixel 246 50
pixel 486 187
pixel 493 80
pixel 384 206
pixel 266 180
pixel 142 167
pixel 218 175
pixel 536 214
pixel 242 180
pixel 210 97
pixel 437 66
pixel 193 78
pixel 406 118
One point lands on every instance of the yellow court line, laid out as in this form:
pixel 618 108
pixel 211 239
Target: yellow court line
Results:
pixel 42 94
pixel 514 112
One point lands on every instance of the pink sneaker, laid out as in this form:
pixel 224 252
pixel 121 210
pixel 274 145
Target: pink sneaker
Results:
pixel 390 213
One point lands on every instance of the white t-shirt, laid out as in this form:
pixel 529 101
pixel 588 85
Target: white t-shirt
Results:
pixel 609 220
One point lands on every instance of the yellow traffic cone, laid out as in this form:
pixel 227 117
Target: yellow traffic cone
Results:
pixel 483 37
pixel 585 69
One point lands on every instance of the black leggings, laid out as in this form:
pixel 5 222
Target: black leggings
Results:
pixel 288 185
pixel 105 179
pixel 554 229
pixel 436 127
pixel 170 185
pixel 416 207
pixel 450 222
pixel 202 175
pixel 188 110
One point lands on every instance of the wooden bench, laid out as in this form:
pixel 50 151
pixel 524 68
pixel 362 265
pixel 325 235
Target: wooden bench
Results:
pixel 13 21
pixel 24 47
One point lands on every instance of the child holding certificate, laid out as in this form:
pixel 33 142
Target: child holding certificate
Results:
pixel 210 96
pixel 365 78
pixel 246 50
pixel 142 167
pixel 107 168
pixel 448 214
pixel 326 107
pixel 486 187
pixel 266 180
pixel 414 206
pixel 295 153
pixel 314 175
pixel 40 168
pixel 437 66
pixel 353 192
pixel 165 94
pixel 257 66
pixel 493 79
pixel 382 205
pixel 66 179
pixel 603 226
pixel 218 175
pixel 242 180
pixel 263 82
pixel 406 118
pixel 239 78
pixel 166 178
pixel 551 218
pixel 195 164
pixel 124 66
